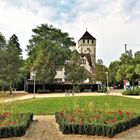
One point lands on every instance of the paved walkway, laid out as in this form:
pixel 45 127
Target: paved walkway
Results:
pixel 48 95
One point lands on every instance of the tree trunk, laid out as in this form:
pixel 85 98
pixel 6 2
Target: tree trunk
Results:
pixel 10 89
pixel 43 86
pixel 133 84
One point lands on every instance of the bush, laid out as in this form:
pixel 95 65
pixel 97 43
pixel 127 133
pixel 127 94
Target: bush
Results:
pixel 18 129
pixel 59 87
pixel 108 130
pixel 41 91
pixel 132 92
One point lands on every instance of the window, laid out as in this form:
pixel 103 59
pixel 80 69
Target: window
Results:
pixel 58 80
pixel 67 61
pixel 83 61
pixel 59 68
pixel 83 41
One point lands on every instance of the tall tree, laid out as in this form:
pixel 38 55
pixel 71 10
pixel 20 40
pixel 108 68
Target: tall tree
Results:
pixel 47 49
pixel 74 72
pixel 49 34
pixel 137 64
pixel 126 60
pixel 13 59
pixel 100 71
pixel 49 57
pixel 3 62
pixel 113 68
pixel 128 67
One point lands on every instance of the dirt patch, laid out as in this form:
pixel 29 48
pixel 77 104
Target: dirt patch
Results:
pixel 45 128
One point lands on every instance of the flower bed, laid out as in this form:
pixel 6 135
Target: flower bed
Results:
pixel 96 123
pixel 14 124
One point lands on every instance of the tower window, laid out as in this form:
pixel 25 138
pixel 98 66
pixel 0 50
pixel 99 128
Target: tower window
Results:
pixel 83 40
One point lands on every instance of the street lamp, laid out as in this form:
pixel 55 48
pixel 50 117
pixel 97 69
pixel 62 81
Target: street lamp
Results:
pixel 107 81
pixel 25 84
pixel 34 82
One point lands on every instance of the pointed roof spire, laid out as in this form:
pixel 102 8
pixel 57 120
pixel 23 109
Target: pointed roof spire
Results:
pixel 87 35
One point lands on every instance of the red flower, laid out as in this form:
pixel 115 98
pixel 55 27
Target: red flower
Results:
pixel 14 122
pixel 120 112
pixel 62 114
pixel 6 114
pixel 72 119
pixel 127 113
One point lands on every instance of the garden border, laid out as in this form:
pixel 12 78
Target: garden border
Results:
pixel 97 129
pixel 17 130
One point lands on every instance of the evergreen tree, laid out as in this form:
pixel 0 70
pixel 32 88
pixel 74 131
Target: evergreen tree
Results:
pixel 13 59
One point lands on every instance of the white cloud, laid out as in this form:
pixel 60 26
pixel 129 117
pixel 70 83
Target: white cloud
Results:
pixel 21 20
pixel 113 23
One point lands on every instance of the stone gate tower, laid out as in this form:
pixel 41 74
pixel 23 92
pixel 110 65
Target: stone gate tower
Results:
pixel 87 47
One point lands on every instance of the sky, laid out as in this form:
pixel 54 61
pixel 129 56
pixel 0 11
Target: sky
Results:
pixel 113 23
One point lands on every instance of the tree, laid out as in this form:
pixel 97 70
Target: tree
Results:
pixel 3 62
pixel 128 68
pixel 48 59
pixel 137 63
pixel 10 59
pixel 113 68
pixel 137 69
pixel 126 60
pixel 47 50
pixel 49 34
pixel 13 59
pixel 74 72
pixel 100 71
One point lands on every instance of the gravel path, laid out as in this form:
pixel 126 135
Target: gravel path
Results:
pixel 30 96
pixel 45 128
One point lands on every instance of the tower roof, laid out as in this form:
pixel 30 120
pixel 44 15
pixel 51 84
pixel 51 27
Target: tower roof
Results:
pixel 87 35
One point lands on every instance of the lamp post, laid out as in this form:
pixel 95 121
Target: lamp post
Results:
pixel 24 84
pixel 107 81
pixel 34 82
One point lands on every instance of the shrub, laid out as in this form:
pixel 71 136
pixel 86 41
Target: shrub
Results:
pixel 124 121
pixel 132 92
pixel 18 128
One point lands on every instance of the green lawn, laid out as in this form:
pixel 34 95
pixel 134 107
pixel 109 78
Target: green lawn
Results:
pixel 52 105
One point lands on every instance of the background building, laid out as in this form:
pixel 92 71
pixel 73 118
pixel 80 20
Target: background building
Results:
pixel 86 47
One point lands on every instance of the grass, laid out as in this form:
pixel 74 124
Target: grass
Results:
pixel 51 105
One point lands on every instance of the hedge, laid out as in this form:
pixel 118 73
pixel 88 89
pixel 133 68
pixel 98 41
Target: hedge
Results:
pixel 17 130
pixel 59 87
pixel 132 92
pixel 96 129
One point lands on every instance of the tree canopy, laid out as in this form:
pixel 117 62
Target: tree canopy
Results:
pixel 100 71
pixel 74 72
pixel 48 49
pixel 10 59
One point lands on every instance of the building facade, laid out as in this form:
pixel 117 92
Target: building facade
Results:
pixel 86 47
